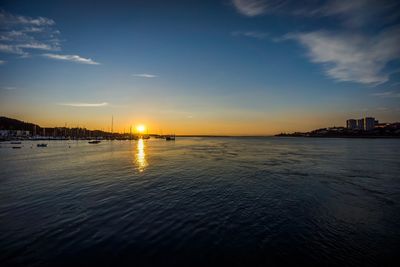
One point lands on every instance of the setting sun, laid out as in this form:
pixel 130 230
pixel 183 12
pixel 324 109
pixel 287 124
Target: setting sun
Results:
pixel 141 128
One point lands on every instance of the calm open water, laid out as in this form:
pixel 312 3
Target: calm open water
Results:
pixel 201 201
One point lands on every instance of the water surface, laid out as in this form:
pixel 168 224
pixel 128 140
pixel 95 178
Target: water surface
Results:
pixel 201 201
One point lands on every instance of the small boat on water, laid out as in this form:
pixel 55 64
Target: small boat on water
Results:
pixel 15 142
pixel 94 142
pixel 41 145
pixel 16 147
pixel 170 137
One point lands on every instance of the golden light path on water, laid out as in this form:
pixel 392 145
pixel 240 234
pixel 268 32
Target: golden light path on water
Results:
pixel 140 156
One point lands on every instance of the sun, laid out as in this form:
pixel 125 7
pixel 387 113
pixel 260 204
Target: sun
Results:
pixel 141 128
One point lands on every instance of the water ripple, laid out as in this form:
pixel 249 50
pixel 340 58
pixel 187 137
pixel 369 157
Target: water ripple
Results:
pixel 201 201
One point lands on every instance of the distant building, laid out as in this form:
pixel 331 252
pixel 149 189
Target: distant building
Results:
pixel 360 124
pixel 366 124
pixel 4 133
pixel 14 133
pixel 351 124
pixel 369 123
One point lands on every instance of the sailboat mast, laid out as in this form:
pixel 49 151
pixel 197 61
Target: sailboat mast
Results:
pixel 112 124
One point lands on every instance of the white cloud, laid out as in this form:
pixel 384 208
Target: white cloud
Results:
pixel 33 29
pixel 355 13
pixel 252 34
pixel 388 94
pixel 2 62
pixel 72 58
pixel 84 105
pixel 22 35
pixel 352 57
pixel 10 19
pixel 250 7
pixel 37 45
pixel 144 75
pixel 11 49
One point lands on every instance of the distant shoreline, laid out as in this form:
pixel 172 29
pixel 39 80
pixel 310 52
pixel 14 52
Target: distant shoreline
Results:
pixel 285 136
pixel 347 137
pixel 16 129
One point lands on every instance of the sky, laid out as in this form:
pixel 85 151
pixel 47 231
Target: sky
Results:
pixel 229 67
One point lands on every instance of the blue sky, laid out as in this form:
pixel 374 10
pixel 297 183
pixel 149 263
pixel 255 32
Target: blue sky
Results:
pixel 206 67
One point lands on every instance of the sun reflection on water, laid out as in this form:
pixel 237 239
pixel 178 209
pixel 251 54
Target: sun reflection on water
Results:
pixel 140 156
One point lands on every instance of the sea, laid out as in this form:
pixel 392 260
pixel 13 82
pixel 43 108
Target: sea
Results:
pixel 201 201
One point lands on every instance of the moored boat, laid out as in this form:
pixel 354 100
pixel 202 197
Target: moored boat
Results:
pixel 94 142
pixel 170 137
pixel 41 145
pixel 15 142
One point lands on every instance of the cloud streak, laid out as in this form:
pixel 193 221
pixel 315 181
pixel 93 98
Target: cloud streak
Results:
pixel 11 49
pixel 72 58
pixel 388 94
pixel 250 8
pixel 144 75
pixel 358 50
pixel 84 105
pixel 10 19
pixel 7 88
pixel 352 57
pixel 251 34
pixel 355 13
pixel 23 36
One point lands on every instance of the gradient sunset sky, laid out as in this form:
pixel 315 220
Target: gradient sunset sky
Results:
pixel 240 67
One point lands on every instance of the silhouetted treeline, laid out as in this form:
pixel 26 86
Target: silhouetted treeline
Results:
pixel 34 129
pixel 13 124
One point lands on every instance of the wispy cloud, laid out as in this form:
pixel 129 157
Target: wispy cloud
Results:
pixel 72 58
pixel 23 36
pixel 144 75
pixel 388 94
pixel 84 105
pixel 36 29
pixel 11 49
pixel 382 108
pixel 395 84
pixel 352 57
pixel 361 47
pixel 7 88
pixel 251 34
pixel 253 8
pixel 2 62
pixel 37 45
pixel 355 13
pixel 10 19
pixel 250 8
